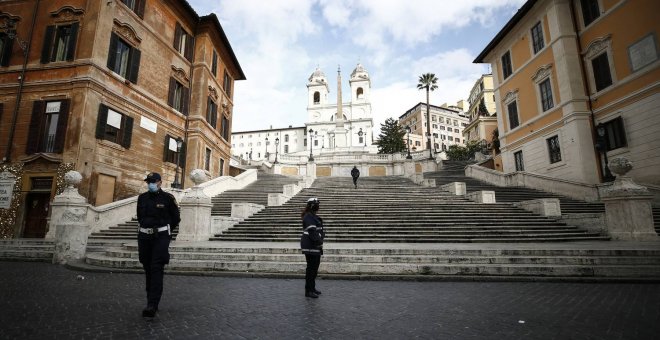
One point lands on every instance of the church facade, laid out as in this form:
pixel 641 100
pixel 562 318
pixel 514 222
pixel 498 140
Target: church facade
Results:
pixel 330 127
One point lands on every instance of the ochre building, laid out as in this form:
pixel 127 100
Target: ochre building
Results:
pixel 107 88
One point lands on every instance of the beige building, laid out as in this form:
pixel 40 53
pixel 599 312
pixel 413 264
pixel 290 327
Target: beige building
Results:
pixel 482 111
pixel 447 124
pixel 107 88
pixel 577 82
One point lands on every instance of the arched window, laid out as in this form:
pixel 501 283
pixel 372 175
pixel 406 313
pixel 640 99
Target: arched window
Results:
pixel 317 97
pixel 360 93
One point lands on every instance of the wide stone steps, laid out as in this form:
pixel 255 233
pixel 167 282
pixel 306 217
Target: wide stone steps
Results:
pixel 452 262
pixel 256 192
pixel 27 250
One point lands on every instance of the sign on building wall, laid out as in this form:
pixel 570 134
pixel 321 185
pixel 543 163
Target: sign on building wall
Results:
pixel 148 124
pixel 643 52
pixel 7 181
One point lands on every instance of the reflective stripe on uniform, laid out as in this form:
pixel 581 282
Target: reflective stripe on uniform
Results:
pixel 311 226
pixel 312 250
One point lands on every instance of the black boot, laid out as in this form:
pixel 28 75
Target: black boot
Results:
pixel 317 292
pixel 149 312
pixel 311 294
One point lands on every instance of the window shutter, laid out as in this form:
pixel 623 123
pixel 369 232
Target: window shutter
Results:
pixel 190 45
pixel 186 98
pixel 33 141
pixel 209 111
pixel 182 157
pixel 71 51
pixel 112 53
pixel 170 94
pixel 166 149
pixel 215 115
pixel 48 43
pixel 101 121
pixel 62 123
pixel 135 65
pixel 140 8
pixel 177 36
pixel 128 132
pixel 6 55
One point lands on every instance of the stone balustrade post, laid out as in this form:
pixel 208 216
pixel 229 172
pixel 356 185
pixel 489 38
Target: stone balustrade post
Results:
pixel 409 168
pixel 71 229
pixel 311 170
pixel 484 196
pixel 456 188
pixel 244 210
pixel 277 199
pixel 291 189
pixel 628 214
pixel 195 211
pixel 542 206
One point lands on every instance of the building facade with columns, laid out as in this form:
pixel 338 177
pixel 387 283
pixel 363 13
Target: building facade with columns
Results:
pixel 576 83
pixel 106 88
pixel 352 130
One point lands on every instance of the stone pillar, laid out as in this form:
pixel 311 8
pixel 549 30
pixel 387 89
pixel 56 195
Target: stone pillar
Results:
pixel 543 206
pixel 409 168
pixel 277 199
pixel 291 189
pixel 484 196
pixel 195 211
pixel 456 188
pixel 311 170
pixel 244 210
pixel 628 214
pixel 71 228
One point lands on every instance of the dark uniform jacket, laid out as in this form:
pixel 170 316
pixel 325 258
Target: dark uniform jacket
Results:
pixel 311 241
pixel 355 173
pixel 157 209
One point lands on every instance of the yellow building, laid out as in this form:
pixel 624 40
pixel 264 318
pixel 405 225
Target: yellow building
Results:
pixel 482 111
pixel 562 68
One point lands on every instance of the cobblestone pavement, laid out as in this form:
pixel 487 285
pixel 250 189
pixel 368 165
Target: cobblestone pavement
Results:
pixel 44 301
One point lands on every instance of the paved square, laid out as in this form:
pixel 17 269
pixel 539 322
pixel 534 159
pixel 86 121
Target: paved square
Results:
pixel 44 301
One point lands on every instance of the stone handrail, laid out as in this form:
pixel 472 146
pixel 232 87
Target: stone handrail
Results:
pixel 576 190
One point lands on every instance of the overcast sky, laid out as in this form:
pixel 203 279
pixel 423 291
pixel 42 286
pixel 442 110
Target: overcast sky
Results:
pixel 279 43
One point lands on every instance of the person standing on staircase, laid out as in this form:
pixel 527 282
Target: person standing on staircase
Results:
pixel 311 244
pixel 157 214
pixel 355 173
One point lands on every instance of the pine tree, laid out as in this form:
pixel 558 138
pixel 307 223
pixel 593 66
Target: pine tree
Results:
pixel 391 138
pixel 483 111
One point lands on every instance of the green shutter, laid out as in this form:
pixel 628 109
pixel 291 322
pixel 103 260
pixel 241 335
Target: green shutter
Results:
pixel 71 49
pixel 128 132
pixel 48 44
pixel 101 121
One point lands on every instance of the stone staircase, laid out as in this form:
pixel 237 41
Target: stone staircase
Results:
pixel 567 261
pixel 394 209
pixel 257 192
pixel 27 249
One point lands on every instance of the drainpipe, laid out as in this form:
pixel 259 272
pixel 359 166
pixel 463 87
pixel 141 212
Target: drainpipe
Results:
pixel 21 81
pixel 586 85
pixel 190 92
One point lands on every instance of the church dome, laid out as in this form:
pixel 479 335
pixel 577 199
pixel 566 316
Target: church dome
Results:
pixel 317 76
pixel 359 72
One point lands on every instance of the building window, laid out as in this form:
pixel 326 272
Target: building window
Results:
pixel 442 127
pixel 207 160
pixel 316 142
pixel 590 11
pixel 136 6
pixel 317 97
pixel 214 64
pixel 546 95
pixel 554 149
pixel 615 134
pixel 178 96
pixel 286 138
pixel 361 140
pixel 513 115
pixel 520 164
pixel 506 65
pixel 286 149
pixel 114 126
pixel 48 126
pixel 537 37
pixel 222 167
pixel 59 43
pixel 6 46
pixel 183 42
pixel 227 84
pixel 305 142
pixel 211 112
pixel 170 153
pixel 601 69
pixel 435 126
pixel 123 59
pixel 225 128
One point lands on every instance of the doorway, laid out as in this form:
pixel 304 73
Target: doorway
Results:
pixel 36 216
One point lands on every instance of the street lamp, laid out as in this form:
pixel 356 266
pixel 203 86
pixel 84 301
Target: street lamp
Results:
pixel 311 145
pixel 601 145
pixel 408 144
pixel 277 142
pixel 179 144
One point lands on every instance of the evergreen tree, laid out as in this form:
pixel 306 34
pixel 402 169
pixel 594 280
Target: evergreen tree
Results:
pixel 391 138
pixel 483 111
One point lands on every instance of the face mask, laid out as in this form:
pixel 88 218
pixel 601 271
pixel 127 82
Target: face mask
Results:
pixel 153 187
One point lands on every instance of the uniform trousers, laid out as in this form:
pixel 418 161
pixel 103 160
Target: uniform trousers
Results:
pixel 154 255
pixel 313 262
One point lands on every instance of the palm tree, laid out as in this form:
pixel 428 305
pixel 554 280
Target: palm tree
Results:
pixel 428 82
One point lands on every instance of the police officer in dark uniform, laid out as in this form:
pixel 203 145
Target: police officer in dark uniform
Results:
pixel 311 244
pixel 355 173
pixel 158 214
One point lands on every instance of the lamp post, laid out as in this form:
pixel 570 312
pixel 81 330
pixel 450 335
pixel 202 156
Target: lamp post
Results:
pixel 408 143
pixel 601 145
pixel 277 142
pixel 311 145
pixel 179 143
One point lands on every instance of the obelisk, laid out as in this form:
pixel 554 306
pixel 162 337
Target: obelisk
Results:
pixel 339 134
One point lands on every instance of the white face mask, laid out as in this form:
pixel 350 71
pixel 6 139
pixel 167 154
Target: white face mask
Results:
pixel 153 187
